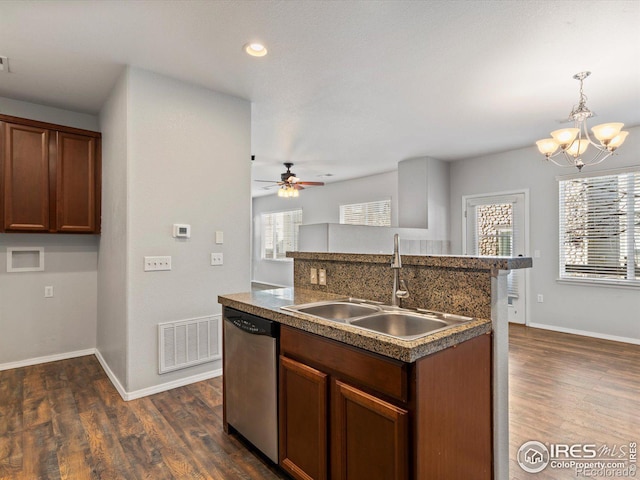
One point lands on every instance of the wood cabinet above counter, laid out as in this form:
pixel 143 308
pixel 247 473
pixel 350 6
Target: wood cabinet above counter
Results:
pixel 50 177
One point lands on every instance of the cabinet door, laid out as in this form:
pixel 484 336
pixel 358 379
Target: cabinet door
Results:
pixel 303 420
pixel 76 172
pixel 369 436
pixel 24 179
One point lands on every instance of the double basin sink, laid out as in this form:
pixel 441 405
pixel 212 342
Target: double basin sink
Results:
pixel 395 322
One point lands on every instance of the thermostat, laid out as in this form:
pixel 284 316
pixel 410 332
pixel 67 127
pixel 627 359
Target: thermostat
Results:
pixel 181 230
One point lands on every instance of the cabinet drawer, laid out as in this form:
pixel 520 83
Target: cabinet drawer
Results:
pixel 384 375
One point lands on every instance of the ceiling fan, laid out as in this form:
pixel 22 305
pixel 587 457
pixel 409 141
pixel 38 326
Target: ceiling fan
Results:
pixel 289 184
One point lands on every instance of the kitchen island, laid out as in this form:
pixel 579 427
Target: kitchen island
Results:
pixel 357 404
pixel 463 285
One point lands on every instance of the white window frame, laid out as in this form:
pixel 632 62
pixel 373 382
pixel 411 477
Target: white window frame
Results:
pixel 629 248
pixel 381 204
pixel 274 240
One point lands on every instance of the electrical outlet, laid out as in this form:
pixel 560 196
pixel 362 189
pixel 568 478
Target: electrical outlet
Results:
pixel 48 292
pixel 314 276
pixel 322 276
pixel 540 298
pixel 217 259
pixel 155 264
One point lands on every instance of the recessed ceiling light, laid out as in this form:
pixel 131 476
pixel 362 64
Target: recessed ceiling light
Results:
pixel 255 49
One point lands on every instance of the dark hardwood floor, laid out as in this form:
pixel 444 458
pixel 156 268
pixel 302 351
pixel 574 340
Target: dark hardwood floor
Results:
pixel 570 389
pixel 65 420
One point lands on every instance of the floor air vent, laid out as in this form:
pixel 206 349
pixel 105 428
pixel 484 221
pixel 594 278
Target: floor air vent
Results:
pixel 189 342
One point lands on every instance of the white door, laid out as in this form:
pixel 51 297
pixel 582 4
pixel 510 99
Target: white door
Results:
pixel 495 225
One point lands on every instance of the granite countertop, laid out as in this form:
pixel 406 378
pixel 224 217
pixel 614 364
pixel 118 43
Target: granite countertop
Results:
pixel 267 303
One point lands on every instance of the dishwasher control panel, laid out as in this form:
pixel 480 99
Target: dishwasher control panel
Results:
pixel 251 324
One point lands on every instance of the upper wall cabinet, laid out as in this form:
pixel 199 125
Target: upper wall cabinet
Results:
pixel 50 177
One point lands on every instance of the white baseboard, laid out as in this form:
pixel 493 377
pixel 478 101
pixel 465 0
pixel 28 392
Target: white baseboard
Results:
pixel 114 380
pixel 584 333
pixel 46 359
pixel 181 382
pixel 163 387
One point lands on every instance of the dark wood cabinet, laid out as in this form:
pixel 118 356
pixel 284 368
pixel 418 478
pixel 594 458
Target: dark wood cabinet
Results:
pixel 76 183
pixel 25 178
pixel 369 436
pixel 303 420
pixel 50 177
pixel 381 418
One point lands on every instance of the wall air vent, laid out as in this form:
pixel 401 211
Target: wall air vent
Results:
pixel 190 342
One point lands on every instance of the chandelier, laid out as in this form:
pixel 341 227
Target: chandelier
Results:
pixel 288 190
pixel 573 142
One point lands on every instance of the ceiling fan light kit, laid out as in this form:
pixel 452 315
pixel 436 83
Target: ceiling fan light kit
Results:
pixel 289 184
pixel 574 142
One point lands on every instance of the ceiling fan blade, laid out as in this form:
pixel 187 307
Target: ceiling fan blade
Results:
pixel 268 181
pixel 311 183
pixel 297 186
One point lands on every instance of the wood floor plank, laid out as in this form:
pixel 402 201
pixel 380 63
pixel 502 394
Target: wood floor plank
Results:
pixel 109 459
pixel 162 436
pixel 10 455
pixel 36 411
pixel 39 460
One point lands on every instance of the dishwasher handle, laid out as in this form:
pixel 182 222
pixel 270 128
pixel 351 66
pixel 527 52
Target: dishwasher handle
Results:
pixel 251 324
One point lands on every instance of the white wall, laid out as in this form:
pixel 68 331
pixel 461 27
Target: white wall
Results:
pixel 602 311
pixel 33 326
pixel 188 162
pixel 319 205
pixel 341 238
pixel 112 259
pixel 423 195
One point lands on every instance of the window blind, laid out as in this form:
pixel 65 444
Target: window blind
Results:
pixel 600 227
pixel 376 213
pixel 280 233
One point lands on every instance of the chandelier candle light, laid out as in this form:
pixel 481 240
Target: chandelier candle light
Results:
pixel 573 142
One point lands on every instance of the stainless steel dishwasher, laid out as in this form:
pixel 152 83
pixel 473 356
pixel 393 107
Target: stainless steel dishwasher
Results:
pixel 251 378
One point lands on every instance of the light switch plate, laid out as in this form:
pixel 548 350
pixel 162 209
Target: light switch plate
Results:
pixel 219 237
pixel 155 264
pixel 322 276
pixel 217 259
pixel 313 277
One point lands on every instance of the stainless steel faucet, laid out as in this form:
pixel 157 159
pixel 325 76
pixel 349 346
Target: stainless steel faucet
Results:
pixel 399 287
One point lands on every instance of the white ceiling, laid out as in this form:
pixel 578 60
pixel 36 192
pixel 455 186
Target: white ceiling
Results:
pixel 348 87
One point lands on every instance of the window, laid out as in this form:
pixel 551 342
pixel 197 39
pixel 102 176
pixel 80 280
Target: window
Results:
pixel 280 233
pixel 371 213
pixel 600 228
